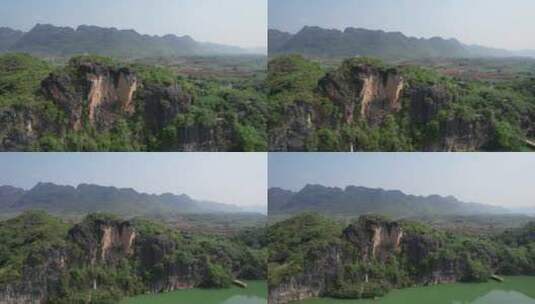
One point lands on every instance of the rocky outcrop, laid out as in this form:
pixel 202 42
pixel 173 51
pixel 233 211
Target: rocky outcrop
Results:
pixel 93 94
pixel 365 105
pixel 103 241
pixel 96 242
pixel 375 238
pixel 346 268
pixel 364 92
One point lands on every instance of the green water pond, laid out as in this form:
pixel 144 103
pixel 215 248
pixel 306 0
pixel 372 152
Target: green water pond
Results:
pixel 515 290
pixel 255 293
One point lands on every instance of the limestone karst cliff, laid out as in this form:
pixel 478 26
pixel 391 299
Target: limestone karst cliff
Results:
pixel 99 104
pixel 364 92
pixel 366 105
pixel 93 94
pixel 313 256
pixel 106 258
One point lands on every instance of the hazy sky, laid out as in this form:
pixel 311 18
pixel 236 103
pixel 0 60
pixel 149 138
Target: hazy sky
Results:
pixel 235 22
pixel 505 179
pixel 234 178
pixel 494 23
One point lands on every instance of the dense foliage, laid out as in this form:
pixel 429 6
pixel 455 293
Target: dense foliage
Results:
pixel 437 112
pixel 341 258
pixel 25 236
pixel 34 243
pixel 202 113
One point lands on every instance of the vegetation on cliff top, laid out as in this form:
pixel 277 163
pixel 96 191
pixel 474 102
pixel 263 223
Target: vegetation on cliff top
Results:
pixel 206 113
pixel 24 237
pixel 438 112
pixel 341 259
pixel 58 258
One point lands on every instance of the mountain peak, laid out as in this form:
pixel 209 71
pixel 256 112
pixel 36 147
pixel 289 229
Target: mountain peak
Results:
pixel 51 40
pixel 357 200
pixel 89 198
pixel 317 41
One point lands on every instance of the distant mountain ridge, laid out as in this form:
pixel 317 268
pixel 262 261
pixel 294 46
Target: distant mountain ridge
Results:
pixel 317 41
pixel 87 198
pixel 50 40
pixel 8 37
pixel 355 201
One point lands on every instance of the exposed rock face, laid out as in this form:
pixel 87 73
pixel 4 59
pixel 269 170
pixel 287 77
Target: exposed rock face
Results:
pixel 116 239
pixel 369 241
pixel 364 92
pixel 104 242
pixel 98 242
pixel 347 106
pixel 94 94
pixel 97 95
pixel 375 239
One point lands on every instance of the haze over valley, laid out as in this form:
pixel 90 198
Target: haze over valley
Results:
pixel 178 76
pixel 47 40
pixel 332 243
pixel 65 237
pixel 154 186
pixel 327 43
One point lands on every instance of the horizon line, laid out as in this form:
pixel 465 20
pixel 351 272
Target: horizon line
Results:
pixel 396 32
pixel 75 28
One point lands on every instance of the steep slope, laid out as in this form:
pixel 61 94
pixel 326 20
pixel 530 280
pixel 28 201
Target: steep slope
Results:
pixel 104 258
pixel 97 104
pixel 353 201
pixel 312 256
pixel 50 40
pixel 367 105
pixel 84 199
pixel 320 42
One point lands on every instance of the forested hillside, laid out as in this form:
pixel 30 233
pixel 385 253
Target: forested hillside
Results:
pixel 367 105
pixel 100 104
pixel 313 256
pixel 104 258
